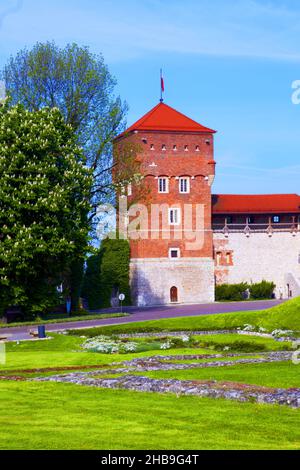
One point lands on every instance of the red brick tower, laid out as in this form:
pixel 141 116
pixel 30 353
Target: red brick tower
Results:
pixel 173 259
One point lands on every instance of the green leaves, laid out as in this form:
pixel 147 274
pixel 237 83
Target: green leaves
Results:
pixel 44 193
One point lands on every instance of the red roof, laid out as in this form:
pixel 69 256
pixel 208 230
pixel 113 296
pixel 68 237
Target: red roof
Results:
pixel 254 204
pixel 164 118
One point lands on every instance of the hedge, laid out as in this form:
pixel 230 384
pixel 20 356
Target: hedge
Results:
pixel 234 292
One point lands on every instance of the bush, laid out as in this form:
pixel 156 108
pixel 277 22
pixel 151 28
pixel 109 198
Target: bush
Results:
pixel 114 271
pixel 91 288
pixel 259 291
pixel 262 290
pixel 231 291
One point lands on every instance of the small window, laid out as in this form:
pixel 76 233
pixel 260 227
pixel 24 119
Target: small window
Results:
pixel 218 258
pixel 175 148
pixel 174 253
pixel 276 219
pixel 163 185
pixel 229 219
pixel 228 258
pixel 197 148
pixel 186 148
pixel 164 148
pixel 207 142
pixel 250 220
pixel 151 147
pixel 184 185
pixel 129 190
pixel 174 216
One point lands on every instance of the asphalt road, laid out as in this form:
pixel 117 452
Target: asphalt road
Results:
pixel 143 314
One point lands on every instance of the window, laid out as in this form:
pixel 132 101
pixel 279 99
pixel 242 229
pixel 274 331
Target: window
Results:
pixel 186 148
pixel 129 190
pixel 174 216
pixel 197 148
pixel 219 258
pixel 228 258
pixel 164 148
pixel 151 147
pixel 174 253
pixel 229 219
pixel 175 148
pixel 163 185
pixel 184 185
pixel 250 220
pixel 276 219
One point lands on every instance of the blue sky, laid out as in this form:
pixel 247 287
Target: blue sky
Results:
pixel 228 64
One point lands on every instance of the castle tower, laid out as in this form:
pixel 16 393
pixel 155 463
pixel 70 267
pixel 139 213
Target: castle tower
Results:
pixel 173 261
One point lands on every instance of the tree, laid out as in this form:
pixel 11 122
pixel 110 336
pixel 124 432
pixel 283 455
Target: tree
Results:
pixel 79 84
pixel 44 201
pixel 114 270
pixel 91 287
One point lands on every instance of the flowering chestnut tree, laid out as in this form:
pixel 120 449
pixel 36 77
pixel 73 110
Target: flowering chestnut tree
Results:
pixel 44 201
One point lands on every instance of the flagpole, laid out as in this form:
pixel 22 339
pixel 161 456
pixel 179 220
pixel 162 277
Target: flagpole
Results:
pixel 161 88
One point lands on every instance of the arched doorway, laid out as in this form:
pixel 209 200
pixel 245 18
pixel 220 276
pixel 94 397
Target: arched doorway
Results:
pixel 174 294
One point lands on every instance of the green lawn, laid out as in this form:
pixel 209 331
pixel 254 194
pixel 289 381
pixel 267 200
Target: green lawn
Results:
pixel 59 416
pixel 285 316
pixel 277 375
pixel 65 416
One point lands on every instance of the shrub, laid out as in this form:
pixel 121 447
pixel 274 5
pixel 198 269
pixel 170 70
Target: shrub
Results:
pixel 231 291
pixel 262 290
pixel 91 288
pixel 114 271
pixel 234 292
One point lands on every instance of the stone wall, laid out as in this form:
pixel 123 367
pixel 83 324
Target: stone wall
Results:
pixel 153 278
pixel 259 257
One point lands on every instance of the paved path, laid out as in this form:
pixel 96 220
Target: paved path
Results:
pixel 143 314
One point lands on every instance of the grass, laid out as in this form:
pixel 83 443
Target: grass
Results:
pixel 68 416
pixel 72 318
pixel 64 351
pixel 284 316
pixel 277 375
pixel 65 416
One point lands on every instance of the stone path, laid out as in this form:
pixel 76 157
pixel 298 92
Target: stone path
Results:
pixel 213 389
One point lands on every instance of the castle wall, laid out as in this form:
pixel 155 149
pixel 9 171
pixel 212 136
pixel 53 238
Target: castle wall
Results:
pixel 153 278
pixel 259 257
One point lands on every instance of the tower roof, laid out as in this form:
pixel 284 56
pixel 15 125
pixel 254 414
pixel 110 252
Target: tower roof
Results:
pixel 164 118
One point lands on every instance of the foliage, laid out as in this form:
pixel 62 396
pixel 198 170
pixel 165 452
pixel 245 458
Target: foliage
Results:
pixel 44 190
pixel 231 291
pixel 114 271
pixel 79 84
pixel 91 287
pixel 262 290
pixel 236 292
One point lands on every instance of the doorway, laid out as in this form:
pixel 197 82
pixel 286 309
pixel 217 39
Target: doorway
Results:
pixel 174 294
